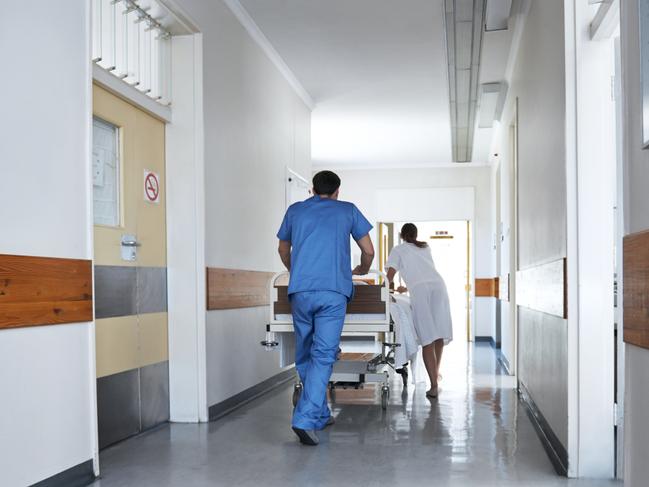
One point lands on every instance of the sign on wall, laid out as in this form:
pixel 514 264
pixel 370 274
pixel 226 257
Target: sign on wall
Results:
pixel 151 187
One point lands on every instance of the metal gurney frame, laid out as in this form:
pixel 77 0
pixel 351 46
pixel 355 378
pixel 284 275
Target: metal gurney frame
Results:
pixel 346 373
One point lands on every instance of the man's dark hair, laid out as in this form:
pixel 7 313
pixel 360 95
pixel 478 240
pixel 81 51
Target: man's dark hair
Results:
pixel 326 182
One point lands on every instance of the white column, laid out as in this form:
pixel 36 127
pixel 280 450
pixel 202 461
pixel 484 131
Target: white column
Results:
pixel 186 235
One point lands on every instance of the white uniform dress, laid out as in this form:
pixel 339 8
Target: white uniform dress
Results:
pixel 431 311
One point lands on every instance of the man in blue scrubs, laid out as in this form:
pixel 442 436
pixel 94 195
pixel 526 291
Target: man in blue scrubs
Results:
pixel 314 245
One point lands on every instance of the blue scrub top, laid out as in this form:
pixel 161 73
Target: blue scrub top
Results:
pixel 319 230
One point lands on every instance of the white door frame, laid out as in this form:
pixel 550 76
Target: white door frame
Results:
pixel 185 170
pixel 186 235
pixel 620 231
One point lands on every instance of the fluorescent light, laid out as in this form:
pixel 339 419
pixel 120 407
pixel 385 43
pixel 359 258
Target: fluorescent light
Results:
pixel 497 15
pixel 492 98
pixel 464 21
pixel 488 102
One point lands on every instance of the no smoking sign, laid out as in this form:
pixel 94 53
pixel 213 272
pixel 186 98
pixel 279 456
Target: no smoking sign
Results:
pixel 151 187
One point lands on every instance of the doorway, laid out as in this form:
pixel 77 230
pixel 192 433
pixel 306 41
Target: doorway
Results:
pixel 128 164
pixel 450 244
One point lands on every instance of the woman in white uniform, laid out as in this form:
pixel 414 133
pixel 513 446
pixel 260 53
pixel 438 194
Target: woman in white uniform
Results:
pixel 428 297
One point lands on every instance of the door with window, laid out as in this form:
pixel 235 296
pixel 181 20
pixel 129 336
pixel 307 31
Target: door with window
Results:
pixel 130 268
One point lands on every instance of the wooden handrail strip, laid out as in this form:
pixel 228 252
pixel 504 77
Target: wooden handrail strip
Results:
pixel 636 289
pixel 44 291
pixel 487 288
pixel 235 288
pixel 544 288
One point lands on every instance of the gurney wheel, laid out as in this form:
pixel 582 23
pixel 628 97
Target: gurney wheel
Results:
pixel 385 395
pixel 297 392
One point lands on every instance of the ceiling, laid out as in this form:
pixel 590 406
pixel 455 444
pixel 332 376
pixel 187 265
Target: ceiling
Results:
pixel 377 72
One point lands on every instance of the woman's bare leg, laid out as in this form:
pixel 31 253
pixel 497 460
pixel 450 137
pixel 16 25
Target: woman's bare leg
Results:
pixel 439 348
pixel 430 361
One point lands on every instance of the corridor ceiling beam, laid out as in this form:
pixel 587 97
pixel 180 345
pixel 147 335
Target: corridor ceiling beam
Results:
pixel 464 21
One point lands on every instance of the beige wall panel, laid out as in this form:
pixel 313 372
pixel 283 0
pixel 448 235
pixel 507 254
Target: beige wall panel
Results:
pixel 117 345
pixel 151 217
pixel 153 338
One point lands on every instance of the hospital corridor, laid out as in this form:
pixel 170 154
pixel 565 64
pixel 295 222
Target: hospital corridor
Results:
pixel 324 243
pixel 476 434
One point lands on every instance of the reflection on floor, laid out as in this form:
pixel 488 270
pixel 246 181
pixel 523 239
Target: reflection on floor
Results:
pixel 476 434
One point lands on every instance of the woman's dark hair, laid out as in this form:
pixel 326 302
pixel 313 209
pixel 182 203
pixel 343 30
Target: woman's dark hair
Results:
pixel 326 182
pixel 409 234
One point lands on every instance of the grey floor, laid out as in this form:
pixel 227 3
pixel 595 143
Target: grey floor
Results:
pixel 476 434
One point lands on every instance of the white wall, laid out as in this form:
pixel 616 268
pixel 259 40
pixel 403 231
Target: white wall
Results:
pixel 366 188
pixel 636 471
pixel 537 87
pixel 47 383
pixel 255 126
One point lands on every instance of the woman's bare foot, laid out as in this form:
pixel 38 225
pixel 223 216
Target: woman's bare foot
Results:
pixel 433 392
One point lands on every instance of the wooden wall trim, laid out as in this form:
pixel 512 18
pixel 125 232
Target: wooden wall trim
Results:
pixel 487 288
pixel 235 288
pixel 37 291
pixel 636 289
pixel 544 288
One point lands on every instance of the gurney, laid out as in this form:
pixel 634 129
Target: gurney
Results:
pixel 368 313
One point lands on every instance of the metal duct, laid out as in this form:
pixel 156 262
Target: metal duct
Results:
pixel 464 21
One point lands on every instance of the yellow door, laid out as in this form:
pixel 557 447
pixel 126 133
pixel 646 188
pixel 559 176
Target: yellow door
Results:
pixel 130 268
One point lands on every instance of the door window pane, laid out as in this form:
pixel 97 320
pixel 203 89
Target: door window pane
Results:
pixel 105 173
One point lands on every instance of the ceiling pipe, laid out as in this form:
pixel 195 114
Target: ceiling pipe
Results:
pixel 464 22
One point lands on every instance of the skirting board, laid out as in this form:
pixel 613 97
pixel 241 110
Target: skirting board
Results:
pixel 77 476
pixel 489 340
pixel 220 409
pixel 505 363
pixel 553 447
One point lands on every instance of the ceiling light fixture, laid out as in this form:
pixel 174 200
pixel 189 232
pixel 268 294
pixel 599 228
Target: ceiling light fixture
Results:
pixel 497 15
pixel 464 20
pixel 492 102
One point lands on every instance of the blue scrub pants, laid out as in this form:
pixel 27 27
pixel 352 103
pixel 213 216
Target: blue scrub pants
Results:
pixel 318 318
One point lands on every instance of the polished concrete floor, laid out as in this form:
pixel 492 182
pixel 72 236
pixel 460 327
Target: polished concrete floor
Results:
pixel 475 434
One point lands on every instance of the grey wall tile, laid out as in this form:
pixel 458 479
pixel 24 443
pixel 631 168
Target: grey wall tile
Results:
pixel 124 291
pixel 115 288
pixel 152 289
pixel 154 393
pixel 118 407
